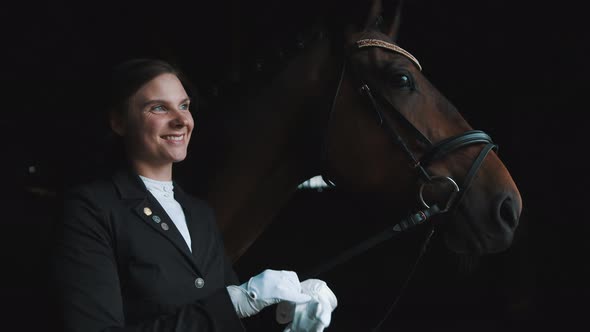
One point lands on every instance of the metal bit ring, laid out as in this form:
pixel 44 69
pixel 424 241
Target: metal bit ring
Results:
pixel 452 195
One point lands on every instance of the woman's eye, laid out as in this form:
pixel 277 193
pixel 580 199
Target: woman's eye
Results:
pixel 158 108
pixel 184 107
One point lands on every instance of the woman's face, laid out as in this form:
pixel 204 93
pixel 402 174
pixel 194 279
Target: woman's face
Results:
pixel 158 124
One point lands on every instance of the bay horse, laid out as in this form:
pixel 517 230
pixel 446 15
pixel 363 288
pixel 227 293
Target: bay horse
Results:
pixel 357 108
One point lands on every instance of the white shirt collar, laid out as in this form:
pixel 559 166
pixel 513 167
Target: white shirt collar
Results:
pixel 158 186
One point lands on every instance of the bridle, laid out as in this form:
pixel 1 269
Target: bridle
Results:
pixel 434 151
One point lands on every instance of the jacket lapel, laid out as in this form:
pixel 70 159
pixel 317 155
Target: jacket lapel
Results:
pixel 148 209
pixel 198 226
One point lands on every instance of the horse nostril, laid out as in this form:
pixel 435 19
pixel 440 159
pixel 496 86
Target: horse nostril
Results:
pixel 508 212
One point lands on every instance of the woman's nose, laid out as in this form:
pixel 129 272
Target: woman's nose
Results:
pixel 180 119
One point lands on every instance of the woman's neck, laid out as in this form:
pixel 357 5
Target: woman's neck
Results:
pixel 160 173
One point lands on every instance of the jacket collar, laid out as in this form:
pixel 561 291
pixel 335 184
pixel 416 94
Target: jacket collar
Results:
pixel 130 187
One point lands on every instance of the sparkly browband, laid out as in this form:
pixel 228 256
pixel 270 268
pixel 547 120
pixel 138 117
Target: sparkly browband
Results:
pixel 383 44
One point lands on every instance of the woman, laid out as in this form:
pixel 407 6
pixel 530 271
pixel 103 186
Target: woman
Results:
pixel 136 253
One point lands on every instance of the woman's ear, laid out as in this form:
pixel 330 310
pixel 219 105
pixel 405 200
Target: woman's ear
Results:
pixel 117 123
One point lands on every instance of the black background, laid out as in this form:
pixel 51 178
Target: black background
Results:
pixel 516 69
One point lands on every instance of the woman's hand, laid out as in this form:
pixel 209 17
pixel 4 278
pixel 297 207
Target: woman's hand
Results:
pixel 267 288
pixel 312 316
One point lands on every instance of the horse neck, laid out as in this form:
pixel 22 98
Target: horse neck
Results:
pixel 274 148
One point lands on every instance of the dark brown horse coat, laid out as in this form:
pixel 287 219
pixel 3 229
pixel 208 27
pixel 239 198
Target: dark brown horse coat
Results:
pixel 118 269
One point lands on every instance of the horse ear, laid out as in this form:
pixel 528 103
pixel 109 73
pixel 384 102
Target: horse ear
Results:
pixel 392 25
pixel 374 14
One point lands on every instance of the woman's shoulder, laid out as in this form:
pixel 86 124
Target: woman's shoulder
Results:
pixel 99 188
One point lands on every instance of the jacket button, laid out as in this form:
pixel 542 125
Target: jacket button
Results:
pixel 199 282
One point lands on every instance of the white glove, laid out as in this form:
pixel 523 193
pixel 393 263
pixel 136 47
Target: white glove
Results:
pixel 267 288
pixel 312 316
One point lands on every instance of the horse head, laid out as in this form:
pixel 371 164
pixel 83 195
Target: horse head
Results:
pixel 392 131
pixel 357 108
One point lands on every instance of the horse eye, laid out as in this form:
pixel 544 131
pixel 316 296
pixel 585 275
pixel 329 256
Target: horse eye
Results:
pixel 402 81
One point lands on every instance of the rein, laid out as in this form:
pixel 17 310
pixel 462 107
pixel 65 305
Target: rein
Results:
pixel 434 152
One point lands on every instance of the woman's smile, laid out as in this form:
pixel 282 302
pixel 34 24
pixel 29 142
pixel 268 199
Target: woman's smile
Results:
pixel 176 139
